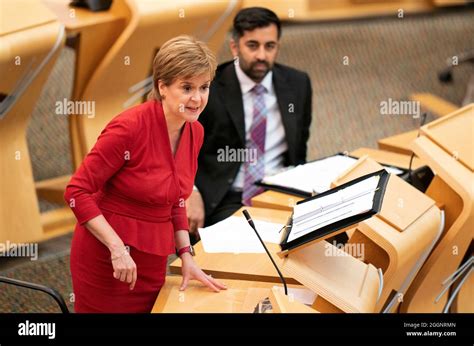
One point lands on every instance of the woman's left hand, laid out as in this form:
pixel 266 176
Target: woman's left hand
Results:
pixel 190 271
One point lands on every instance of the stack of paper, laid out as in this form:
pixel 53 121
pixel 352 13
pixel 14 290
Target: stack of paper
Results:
pixel 234 235
pixel 316 177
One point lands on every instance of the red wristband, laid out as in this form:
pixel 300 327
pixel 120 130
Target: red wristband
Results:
pixel 188 248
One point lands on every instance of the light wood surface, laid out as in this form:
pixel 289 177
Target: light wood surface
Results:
pixel 403 204
pixel 400 234
pixel 389 158
pixel 275 200
pixel 240 297
pixel 33 14
pixel 400 143
pixel 450 2
pixel 245 266
pixel 343 281
pixel 57 222
pixel 453 188
pixel 434 104
pixel 76 19
pixel 53 189
pixel 38 46
pixel 455 134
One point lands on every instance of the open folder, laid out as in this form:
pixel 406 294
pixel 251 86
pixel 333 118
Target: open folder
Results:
pixel 329 213
pixel 313 177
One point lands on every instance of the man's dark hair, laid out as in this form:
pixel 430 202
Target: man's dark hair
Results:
pixel 252 18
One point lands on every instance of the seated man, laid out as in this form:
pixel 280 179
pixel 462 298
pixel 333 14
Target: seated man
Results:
pixel 256 121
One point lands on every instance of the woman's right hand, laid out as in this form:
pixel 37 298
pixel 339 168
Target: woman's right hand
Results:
pixel 125 268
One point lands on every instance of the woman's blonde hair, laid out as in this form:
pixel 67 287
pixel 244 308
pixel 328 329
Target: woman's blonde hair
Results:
pixel 181 57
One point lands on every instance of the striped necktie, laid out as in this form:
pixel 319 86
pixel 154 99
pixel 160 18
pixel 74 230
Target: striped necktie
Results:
pixel 255 170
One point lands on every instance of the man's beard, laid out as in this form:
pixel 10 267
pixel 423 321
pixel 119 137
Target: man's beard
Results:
pixel 253 73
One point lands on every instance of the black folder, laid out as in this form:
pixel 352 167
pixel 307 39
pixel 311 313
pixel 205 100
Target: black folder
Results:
pixel 305 194
pixel 336 227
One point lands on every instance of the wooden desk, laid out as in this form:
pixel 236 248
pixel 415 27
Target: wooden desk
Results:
pixel 388 158
pixel 275 200
pixel 240 296
pixel 246 266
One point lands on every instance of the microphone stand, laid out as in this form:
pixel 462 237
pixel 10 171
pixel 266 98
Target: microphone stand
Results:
pixel 251 223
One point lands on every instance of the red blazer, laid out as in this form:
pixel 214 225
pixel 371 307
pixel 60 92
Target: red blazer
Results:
pixel 131 177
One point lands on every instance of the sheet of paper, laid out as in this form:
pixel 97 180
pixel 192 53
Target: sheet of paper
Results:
pixel 393 170
pixel 353 200
pixel 234 235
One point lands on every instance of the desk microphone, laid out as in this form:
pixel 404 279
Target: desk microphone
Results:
pixel 250 221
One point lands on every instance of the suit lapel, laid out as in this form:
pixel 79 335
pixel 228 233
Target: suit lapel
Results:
pixel 233 99
pixel 286 104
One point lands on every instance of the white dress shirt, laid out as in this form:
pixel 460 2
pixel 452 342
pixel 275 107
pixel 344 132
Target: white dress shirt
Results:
pixel 275 140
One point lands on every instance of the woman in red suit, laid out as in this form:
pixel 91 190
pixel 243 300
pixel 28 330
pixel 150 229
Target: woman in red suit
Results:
pixel 129 193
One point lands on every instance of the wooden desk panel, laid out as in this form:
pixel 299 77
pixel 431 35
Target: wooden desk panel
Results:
pixel 76 19
pixel 275 200
pixel 434 104
pixel 451 132
pixel 38 41
pixel 33 14
pixel 388 158
pixel 400 143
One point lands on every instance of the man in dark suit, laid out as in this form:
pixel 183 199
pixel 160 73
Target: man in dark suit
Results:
pixel 256 121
